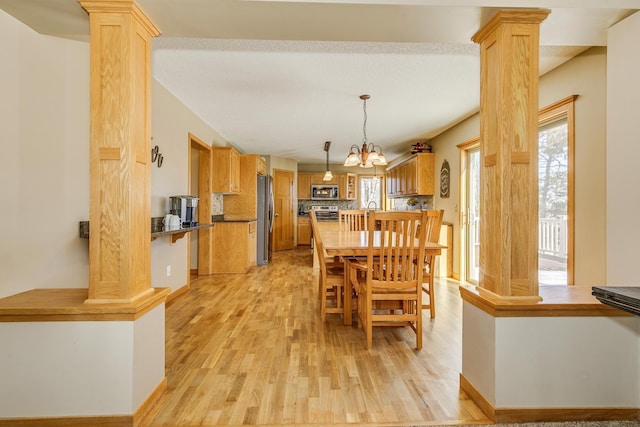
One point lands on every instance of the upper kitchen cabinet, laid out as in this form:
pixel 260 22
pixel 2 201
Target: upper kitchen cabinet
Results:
pixel 412 177
pixel 347 186
pixel 304 185
pixel 243 205
pixel 226 170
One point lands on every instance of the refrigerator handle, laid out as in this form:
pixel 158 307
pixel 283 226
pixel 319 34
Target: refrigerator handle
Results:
pixel 271 213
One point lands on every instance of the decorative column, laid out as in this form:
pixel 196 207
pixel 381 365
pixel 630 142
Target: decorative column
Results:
pixel 120 170
pixel 509 153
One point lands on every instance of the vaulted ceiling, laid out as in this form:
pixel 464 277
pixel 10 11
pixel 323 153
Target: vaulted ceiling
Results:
pixel 282 77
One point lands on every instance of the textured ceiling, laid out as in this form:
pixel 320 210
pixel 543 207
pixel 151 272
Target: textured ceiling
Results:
pixel 283 77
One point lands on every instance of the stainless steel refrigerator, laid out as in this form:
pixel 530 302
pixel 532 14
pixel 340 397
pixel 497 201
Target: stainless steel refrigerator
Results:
pixel 265 219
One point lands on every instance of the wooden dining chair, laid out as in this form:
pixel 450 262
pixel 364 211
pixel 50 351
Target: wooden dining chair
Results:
pixel 390 288
pixel 353 219
pixel 331 279
pixel 432 229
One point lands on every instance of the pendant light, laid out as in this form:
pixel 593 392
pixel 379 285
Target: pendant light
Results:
pixel 366 156
pixel 328 176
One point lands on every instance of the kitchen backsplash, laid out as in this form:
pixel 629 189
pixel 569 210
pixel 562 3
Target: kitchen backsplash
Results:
pixel 217 206
pixel 412 203
pixel 305 205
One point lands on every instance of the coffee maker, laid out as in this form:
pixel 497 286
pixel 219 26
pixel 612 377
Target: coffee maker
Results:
pixel 185 208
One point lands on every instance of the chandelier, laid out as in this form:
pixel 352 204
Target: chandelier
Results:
pixel 367 156
pixel 328 176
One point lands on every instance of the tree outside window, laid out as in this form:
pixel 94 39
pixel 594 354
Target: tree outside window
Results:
pixel 371 192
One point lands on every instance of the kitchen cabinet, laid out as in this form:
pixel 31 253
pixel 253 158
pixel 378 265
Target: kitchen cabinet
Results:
pixel 316 178
pixel 234 246
pixel 413 177
pixel 347 186
pixel 304 185
pixel 304 231
pixel 243 205
pixel 226 170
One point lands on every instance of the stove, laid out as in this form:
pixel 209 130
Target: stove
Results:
pixel 325 213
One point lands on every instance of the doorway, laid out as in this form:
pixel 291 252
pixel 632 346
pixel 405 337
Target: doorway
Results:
pixel 470 211
pixel 283 209
pixel 199 246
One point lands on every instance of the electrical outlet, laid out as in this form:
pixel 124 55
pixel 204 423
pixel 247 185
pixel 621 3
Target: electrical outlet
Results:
pixel 168 270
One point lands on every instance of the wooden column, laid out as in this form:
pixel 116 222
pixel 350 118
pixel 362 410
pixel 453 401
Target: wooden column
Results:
pixel 120 154
pixel 509 45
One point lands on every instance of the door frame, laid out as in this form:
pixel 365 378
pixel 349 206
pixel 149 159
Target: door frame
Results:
pixel 277 243
pixel 205 236
pixel 465 147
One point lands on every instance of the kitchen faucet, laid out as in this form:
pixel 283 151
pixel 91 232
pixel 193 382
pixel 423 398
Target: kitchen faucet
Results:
pixel 375 206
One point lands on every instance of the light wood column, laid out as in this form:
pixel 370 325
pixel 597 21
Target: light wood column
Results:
pixel 509 46
pixel 120 156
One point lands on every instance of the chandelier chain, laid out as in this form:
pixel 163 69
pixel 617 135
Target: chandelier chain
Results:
pixel 364 125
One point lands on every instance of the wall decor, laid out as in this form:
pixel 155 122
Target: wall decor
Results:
pixel 444 179
pixel 156 156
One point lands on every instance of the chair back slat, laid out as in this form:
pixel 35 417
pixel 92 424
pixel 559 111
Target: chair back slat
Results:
pixel 352 219
pixel 402 241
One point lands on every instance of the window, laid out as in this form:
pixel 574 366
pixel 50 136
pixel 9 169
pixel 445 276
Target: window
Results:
pixel 371 191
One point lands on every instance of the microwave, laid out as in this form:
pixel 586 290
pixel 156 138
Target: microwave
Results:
pixel 324 192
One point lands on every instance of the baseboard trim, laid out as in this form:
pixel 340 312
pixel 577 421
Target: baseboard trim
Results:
pixel 178 292
pixel 101 421
pixel 526 415
pixel 193 271
pixel 477 398
pixel 150 402
pixel 109 421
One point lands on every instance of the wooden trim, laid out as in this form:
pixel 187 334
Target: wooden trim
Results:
pixel 106 421
pixel 551 107
pixel 566 108
pixel 470 143
pixel 520 415
pixel 485 406
pixel 150 402
pixel 557 301
pixel 178 292
pixel 63 305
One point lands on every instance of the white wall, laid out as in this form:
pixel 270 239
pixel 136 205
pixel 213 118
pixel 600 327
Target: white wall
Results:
pixel 44 141
pixel 623 152
pixel 532 362
pixel 44 160
pixel 80 368
pixel 171 123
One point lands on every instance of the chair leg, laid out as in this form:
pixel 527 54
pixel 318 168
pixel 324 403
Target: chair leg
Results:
pixel 432 299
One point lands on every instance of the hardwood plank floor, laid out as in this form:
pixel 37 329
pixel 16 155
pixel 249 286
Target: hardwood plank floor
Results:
pixel 251 350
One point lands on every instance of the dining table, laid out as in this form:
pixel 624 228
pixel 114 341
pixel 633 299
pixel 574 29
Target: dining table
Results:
pixel 346 243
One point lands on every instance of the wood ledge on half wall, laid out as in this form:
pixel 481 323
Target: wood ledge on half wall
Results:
pixel 68 304
pixel 556 301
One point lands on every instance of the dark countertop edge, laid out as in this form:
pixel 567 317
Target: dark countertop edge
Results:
pixel 214 220
pixel 180 230
pixel 84 230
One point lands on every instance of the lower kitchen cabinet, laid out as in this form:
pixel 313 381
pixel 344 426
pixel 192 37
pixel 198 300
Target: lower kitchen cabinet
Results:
pixel 304 231
pixel 234 246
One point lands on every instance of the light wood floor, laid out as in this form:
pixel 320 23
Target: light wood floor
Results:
pixel 251 350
